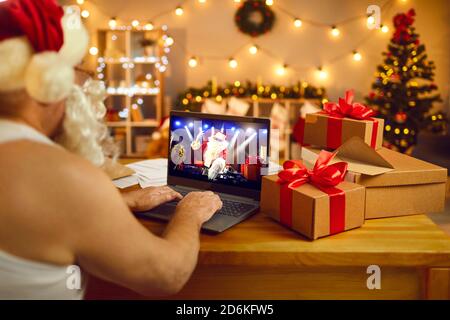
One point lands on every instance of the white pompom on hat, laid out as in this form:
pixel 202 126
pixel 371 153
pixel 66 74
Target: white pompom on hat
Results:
pixel 40 43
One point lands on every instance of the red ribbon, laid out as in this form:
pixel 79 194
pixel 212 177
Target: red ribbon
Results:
pixel 347 109
pixel 324 177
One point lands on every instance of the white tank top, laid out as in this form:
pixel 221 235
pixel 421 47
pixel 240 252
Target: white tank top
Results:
pixel 25 279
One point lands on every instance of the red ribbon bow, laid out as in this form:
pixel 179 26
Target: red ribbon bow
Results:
pixel 346 108
pixel 323 176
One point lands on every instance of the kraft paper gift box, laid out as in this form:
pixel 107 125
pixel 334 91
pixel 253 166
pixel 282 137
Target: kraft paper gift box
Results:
pixel 310 210
pixel 340 122
pixel 396 184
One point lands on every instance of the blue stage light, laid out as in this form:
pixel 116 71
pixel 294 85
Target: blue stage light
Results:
pixel 206 126
pixel 264 131
pixel 177 123
pixel 191 124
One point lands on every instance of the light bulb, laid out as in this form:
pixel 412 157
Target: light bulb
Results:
pixel 149 26
pixel 232 63
pixel 193 62
pixel 335 31
pixel 112 23
pixel 357 56
pixel 370 20
pixel 269 2
pixel 80 2
pixel 384 28
pixel 169 41
pixel 322 73
pixel 201 1
pixel 85 14
pixel 93 51
pixel 253 49
pixel 179 11
pixel 297 22
pixel 281 70
pixel 237 1
pixel 135 23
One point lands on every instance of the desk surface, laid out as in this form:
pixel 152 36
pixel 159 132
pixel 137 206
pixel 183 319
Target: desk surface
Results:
pixel 402 241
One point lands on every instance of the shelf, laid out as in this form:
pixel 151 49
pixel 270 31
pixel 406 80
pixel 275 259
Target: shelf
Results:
pixel 137 60
pixel 116 123
pixel 133 91
pixel 145 123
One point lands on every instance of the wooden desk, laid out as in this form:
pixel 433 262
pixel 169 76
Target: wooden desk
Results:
pixel 259 259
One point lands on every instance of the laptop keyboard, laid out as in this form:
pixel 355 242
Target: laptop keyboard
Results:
pixel 230 207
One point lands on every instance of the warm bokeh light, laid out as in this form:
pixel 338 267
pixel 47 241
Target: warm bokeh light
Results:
pixel 135 23
pixel 335 31
pixel 232 63
pixel 253 49
pixel 322 74
pixel 281 70
pixel 193 62
pixel 169 41
pixel 357 56
pixel 149 26
pixel 384 28
pixel 93 51
pixel 85 14
pixel 112 23
pixel 80 2
pixel 297 22
pixel 269 2
pixel 179 11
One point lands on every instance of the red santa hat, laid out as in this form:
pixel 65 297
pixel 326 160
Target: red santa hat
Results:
pixel 40 43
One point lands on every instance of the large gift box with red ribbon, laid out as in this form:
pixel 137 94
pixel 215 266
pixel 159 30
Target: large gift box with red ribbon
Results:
pixel 341 121
pixel 316 202
pixel 396 184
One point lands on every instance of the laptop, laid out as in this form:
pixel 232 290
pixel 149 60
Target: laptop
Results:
pixel 225 154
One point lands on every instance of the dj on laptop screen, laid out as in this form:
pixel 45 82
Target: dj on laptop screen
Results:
pixel 228 151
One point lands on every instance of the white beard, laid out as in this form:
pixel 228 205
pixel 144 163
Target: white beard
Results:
pixel 84 132
pixel 213 150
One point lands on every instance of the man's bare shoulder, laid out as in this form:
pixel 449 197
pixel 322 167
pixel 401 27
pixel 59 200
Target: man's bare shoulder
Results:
pixel 47 168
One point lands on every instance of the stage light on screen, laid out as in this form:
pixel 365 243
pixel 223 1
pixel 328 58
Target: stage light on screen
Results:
pixel 177 123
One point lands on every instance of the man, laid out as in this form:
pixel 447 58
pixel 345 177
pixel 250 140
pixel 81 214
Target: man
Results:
pixel 57 208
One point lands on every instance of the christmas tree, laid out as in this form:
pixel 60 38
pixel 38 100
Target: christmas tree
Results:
pixel 403 93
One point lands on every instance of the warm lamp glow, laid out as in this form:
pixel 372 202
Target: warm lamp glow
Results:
pixel 135 23
pixel 269 2
pixel 357 56
pixel 93 51
pixel 193 62
pixel 297 22
pixel 80 2
pixel 169 41
pixel 253 49
pixel 322 74
pixel 85 14
pixel 384 29
pixel 201 1
pixel 149 26
pixel 232 63
pixel 281 70
pixel 370 21
pixel 335 31
pixel 179 11
pixel 112 23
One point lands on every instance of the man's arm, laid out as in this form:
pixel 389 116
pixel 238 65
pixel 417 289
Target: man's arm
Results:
pixel 110 243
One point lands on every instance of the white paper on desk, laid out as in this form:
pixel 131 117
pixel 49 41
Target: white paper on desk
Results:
pixel 126 182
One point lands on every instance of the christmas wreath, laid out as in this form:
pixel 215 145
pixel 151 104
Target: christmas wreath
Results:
pixel 254 18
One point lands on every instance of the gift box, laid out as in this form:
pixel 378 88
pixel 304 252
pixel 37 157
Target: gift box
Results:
pixel 337 123
pixel 315 203
pixel 251 169
pixel 396 184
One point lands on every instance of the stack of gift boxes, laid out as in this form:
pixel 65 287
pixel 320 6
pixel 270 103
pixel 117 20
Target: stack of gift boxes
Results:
pixel 345 176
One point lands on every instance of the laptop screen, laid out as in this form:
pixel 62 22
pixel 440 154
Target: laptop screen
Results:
pixel 219 150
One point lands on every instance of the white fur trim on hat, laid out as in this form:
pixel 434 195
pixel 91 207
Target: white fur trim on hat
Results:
pixel 76 39
pixel 15 54
pixel 49 78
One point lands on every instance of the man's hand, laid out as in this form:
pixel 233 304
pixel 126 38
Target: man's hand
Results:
pixel 149 198
pixel 199 205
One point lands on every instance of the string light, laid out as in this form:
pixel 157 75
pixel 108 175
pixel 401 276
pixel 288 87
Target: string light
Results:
pixel 253 49
pixel 85 14
pixel 335 31
pixel 169 41
pixel 179 11
pixel 135 23
pixel 202 1
pixel 281 70
pixel 357 56
pixel 384 28
pixel 370 21
pixel 193 62
pixel 297 22
pixel 93 51
pixel 149 26
pixel 269 2
pixel 322 73
pixel 112 23
pixel 80 2
pixel 232 63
